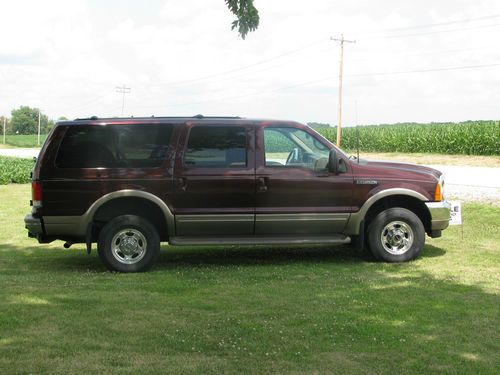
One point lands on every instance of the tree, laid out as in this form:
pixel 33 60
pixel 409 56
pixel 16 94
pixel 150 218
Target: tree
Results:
pixel 247 16
pixel 25 121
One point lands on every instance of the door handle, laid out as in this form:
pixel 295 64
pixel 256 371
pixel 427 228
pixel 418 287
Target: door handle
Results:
pixel 182 183
pixel 262 184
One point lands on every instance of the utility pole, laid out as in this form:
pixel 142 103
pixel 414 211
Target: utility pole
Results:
pixel 4 127
pixel 341 41
pixel 123 90
pixel 39 127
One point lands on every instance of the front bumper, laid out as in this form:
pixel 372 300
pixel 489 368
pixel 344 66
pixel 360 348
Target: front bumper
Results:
pixel 440 214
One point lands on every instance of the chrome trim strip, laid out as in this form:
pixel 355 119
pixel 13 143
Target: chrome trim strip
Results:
pixel 260 240
pixel 210 218
pixel 302 217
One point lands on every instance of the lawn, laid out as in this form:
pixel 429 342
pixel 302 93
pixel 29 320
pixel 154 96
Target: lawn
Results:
pixel 213 310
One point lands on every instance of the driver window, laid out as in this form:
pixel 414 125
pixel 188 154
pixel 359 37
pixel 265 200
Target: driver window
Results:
pixel 292 147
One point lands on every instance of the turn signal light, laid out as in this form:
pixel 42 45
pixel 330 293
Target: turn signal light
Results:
pixel 438 194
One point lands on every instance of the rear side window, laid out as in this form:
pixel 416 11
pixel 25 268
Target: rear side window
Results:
pixel 216 147
pixel 114 146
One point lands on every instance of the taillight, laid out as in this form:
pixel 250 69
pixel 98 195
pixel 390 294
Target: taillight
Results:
pixel 36 193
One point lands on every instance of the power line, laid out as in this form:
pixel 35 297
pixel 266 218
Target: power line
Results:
pixel 173 84
pixel 430 25
pixel 123 90
pixel 332 77
pixel 431 32
pixel 425 70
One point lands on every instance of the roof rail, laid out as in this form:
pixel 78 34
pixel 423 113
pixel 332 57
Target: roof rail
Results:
pixel 200 116
pixel 87 118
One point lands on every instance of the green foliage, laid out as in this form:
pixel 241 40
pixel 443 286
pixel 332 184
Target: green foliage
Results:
pixel 15 170
pixel 467 138
pixel 247 16
pixel 25 121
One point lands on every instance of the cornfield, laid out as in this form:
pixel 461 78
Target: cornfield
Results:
pixel 15 170
pixel 468 138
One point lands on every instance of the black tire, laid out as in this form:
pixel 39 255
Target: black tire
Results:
pixel 396 235
pixel 128 243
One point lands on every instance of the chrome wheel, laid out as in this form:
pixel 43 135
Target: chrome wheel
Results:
pixel 129 246
pixel 397 237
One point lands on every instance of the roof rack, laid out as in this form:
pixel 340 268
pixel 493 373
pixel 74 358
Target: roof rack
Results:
pixel 199 116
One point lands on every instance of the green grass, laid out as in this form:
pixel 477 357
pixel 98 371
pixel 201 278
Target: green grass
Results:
pixel 466 138
pixel 15 170
pixel 23 140
pixel 212 310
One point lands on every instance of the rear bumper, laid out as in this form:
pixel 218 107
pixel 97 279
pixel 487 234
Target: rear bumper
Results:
pixel 33 225
pixel 440 214
pixel 36 229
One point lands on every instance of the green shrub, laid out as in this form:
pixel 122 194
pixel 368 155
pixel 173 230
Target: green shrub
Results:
pixel 15 170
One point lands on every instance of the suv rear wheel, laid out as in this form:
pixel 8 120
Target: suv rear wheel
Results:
pixel 396 235
pixel 128 243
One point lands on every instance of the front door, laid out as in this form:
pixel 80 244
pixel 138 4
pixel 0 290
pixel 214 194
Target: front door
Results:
pixel 295 192
pixel 214 180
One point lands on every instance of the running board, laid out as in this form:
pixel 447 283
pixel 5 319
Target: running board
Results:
pixel 261 240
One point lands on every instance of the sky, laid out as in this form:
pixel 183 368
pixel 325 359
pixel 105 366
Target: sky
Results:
pixel 413 61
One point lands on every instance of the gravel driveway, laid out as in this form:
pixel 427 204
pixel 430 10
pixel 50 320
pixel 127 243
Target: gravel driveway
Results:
pixel 463 183
pixel 20 152
pixel 471 183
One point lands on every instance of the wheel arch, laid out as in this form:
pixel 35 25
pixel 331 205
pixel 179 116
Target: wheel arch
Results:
pixel 404 198
pixel 133 202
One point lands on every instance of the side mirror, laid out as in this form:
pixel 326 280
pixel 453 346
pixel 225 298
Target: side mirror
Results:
pixel 333 162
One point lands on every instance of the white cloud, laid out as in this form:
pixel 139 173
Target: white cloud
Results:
pixel 68 56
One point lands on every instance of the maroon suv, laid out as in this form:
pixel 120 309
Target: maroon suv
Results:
pixel 130 183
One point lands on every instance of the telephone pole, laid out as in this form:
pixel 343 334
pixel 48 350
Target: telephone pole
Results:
pixel 341 41
pixel 4 127
pixel 123 90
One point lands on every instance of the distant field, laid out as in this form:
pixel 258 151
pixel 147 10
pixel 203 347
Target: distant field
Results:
pixel 23 140
pixel 465 138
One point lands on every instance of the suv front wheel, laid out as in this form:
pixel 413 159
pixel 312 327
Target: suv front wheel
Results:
pixel 396 235
pixel 128 243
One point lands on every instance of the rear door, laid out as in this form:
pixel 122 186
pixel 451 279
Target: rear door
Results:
pixel 214 180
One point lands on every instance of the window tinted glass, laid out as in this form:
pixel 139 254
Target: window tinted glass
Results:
pixel 216 147
pixel 114 146
pixel 292 147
